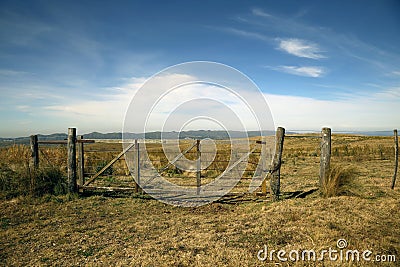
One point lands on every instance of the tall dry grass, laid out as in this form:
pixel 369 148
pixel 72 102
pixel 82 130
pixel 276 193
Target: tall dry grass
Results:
pixel 19 178
pixel 341 180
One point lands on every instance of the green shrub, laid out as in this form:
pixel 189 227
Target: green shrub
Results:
pixel 49 181
pixel 21 181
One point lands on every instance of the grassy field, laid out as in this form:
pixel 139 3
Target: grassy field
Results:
pixel 137 231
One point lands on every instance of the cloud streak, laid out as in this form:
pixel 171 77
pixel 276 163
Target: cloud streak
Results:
pixel 304 71
pixel 309 71
pixel 350 112
pixel 346 45
pixel 199 99
pixel 260 13
pixel 246 34
pixel 300 48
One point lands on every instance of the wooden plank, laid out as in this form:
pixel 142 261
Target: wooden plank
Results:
pixel 71 164
pixel 81 161
pixel 137 166
pixel 275 181
pixel 64 142
pixel 263 155
pixel 86 141
pixel 53 142
pixel 396 157
pixel 264 187
pixel 108 165
pixel 106 188
pixel 303 136
pixel 325 158
pixel 198 167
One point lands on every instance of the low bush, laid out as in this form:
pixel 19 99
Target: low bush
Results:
pixel 21 181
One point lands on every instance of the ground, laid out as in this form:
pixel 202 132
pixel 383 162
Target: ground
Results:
pixel 138 231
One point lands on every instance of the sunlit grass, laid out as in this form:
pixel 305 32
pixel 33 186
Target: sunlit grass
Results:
pixel 70 230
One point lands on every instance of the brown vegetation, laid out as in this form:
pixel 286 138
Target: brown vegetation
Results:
pixel 101 231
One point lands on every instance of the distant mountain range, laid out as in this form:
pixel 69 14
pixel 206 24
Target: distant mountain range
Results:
pixel 199 134
pixel 26 139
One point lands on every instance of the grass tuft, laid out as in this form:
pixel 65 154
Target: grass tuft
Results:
pixel 48 181
pixel 340 181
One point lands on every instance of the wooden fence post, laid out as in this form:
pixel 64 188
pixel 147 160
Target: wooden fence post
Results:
pixel 396 157
pixel 325 158
pixel 137 166
pixel 34 151
pixel 81 162
pixel 71 147
pixel 198 167
pixel 275 182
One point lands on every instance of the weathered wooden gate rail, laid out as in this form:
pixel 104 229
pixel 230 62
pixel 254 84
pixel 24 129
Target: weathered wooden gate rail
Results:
pixel 75 163
pixel 71 142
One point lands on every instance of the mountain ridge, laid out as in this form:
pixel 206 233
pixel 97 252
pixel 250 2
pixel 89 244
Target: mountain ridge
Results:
pixel 193 134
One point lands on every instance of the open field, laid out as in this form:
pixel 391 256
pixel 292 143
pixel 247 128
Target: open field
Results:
pixel 132 231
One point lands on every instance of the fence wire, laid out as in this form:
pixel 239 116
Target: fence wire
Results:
pixel 371 157
pixel 218 160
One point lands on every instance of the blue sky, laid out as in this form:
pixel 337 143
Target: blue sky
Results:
pixel 78 63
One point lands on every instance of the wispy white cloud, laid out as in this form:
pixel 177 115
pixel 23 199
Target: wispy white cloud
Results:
pixel 111 104
pixel 284 24
pixel 101 113
pixel 23 108
pixel 349 112
pixel 300 48
pixel 247 34
pixel 348 45
pixel 21 30
pixel 12 73
pixel 395 73
pixel 306 71
pixel 390 94
pixel 261 13
pixel 297 47
pixel 108 111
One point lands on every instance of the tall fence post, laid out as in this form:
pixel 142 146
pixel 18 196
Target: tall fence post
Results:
pixel 275 182
pixel 71 147
pixel 81 162
pixel 137 166
pixel 325 159
pixel 198 167
pixel 34 151
pixel 396 156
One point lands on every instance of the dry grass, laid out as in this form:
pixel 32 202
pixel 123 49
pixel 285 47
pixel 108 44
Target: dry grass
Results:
pixel 101 231
pixel 120 232
pixel 17 177
pixel 340 181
